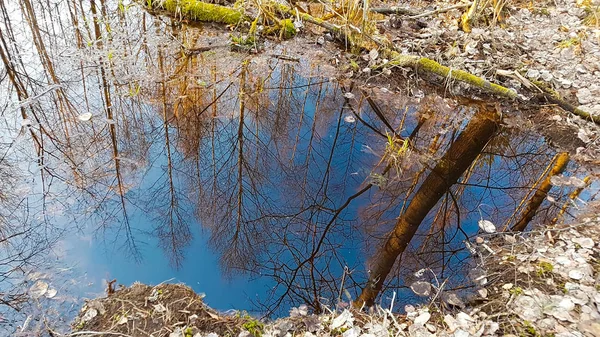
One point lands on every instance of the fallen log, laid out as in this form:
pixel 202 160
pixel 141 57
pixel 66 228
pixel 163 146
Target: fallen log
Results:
pixel 196 10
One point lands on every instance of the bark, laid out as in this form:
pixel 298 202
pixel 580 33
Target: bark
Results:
pixel 449 169
pixel 562 159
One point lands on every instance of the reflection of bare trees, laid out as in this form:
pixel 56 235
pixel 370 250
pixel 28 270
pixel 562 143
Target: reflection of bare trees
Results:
pixel 292 180
pixel 23 245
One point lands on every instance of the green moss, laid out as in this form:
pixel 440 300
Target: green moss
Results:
pixel 572 42
pixel 516 291
pixel 189 332
pixel 243 41
pixel 541 11
pixel 528 330
pixel 80 325
pixel 254 327
pixel 544 268
pixel 197 10
pixel 288 30
pixel 284 28
pixel 463 76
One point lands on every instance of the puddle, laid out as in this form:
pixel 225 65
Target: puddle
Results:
pixel 256 180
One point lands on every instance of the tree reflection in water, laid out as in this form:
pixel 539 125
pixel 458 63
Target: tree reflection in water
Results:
pixel 294 178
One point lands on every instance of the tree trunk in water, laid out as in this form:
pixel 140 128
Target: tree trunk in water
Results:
pixel 562 159
pixel 449 169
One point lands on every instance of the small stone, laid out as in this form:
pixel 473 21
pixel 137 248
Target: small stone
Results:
pixel 373 54
pixel 483 292
pixel 579 297
pixel 507 286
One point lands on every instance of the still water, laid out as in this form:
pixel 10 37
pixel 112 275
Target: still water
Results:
pixel 129 153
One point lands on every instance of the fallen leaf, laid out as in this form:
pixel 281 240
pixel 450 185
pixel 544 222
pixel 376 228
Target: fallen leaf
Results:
pixel 349 119
pixel 422 318
pixel 38 289
pixel 51 293
pixel 487 226
pixel 84 117
pixel 421 288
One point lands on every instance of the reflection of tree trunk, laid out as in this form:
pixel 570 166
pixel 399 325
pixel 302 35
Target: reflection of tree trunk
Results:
pixel 560 164
pixel 451 166
pixel 574 195
pixel 240 139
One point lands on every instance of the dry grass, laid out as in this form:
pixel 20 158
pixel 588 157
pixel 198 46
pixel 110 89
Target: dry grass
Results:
pixel 129 312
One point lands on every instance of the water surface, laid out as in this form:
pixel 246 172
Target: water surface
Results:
pixel 258 181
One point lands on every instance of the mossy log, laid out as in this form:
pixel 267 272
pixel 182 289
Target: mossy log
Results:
pixel 196 10
pixel 554 97
pixel 433 67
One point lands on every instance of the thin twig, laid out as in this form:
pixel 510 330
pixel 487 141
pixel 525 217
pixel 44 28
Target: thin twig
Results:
pixel 441 10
